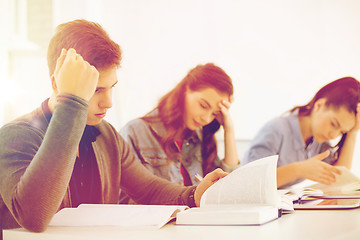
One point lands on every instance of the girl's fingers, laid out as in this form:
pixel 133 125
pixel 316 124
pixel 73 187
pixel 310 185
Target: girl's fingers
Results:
pixel 224 104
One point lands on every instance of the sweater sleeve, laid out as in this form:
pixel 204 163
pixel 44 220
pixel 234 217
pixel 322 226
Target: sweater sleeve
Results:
pixel 35 167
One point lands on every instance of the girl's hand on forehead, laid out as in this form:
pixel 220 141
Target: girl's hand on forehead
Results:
pixel 224 117
pixel 226 104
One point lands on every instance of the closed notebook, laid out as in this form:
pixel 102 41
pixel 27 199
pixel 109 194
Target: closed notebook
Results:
pixel 247 196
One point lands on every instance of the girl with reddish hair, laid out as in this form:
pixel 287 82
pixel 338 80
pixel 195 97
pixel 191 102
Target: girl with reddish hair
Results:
pixel 64 153
pixel 302 137
pixel 176 139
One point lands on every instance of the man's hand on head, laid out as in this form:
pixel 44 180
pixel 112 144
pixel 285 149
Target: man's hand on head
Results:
pixel 74 75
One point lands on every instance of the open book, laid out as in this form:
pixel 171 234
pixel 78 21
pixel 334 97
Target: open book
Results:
pixel 347 185
pixel 133 216
pixel 297 195
pixel 247 196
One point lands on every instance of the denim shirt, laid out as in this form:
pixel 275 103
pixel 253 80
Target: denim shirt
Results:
pixel 144 140
pixel 282 136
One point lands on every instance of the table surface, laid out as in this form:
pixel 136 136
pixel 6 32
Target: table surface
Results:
pixel 301 224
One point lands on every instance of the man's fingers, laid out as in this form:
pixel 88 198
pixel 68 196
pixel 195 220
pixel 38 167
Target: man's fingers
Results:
pixel 60 60
pixel 216 175
pixel 71 54
pixel 75 75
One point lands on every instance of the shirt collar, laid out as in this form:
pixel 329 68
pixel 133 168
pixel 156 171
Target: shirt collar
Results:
pixel 90 134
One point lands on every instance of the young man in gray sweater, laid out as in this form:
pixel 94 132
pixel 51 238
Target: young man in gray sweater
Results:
pixel 63 153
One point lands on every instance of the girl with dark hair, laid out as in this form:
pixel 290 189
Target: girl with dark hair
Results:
pixel 301 138
pixel 176 140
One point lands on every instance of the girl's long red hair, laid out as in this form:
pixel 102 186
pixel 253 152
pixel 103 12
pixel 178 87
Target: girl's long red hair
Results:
pixel 172 107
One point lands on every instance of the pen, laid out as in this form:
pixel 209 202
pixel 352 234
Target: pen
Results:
pixel 198 178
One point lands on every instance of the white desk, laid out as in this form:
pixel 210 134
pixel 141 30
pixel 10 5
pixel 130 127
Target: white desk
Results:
pixel 303 224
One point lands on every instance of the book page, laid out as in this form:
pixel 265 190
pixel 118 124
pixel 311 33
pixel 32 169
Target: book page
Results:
pixel 346 176
pixel 136 216
pixel 253 183
pixel 345 182
pixel 228 215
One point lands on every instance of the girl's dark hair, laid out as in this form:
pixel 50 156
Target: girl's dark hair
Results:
pixel 343 92
pixel 172 106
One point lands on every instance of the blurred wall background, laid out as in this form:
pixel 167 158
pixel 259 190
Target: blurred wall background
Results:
pixel 278 53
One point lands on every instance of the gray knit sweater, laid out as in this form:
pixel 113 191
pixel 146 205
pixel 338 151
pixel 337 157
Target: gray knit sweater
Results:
pixel 37 158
